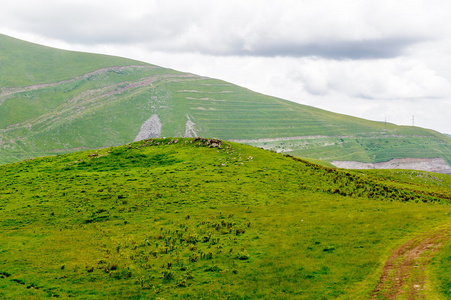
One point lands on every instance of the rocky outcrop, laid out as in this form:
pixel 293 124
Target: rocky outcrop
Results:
pixel 211 143
pixel 437 165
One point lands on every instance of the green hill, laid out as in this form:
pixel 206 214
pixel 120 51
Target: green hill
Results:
pixel 54 101
pixel 190 218
pixel 24 64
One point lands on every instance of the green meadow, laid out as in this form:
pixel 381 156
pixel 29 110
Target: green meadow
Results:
pixel 185 218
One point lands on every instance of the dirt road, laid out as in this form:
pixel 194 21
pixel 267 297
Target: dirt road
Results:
pixel 404 274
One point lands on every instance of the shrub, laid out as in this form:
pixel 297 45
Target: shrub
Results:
pixel 167 275
pixel 242 256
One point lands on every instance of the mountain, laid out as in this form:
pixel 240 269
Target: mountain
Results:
pixel 202 218
pixel 54 101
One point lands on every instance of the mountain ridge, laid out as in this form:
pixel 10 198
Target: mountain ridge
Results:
pixel 94 101
pixel 36 64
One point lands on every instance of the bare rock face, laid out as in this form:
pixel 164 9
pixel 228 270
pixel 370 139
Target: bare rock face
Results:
pixel 150 129
pixel 422 164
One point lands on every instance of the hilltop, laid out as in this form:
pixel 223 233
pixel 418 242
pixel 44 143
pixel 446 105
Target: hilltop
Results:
pixel 189 218
pixel 54 101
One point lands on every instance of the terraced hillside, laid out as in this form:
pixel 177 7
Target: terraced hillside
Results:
pixel 203 218
pixel 55 101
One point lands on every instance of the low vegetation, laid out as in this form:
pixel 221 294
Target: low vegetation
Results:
pixel 190 218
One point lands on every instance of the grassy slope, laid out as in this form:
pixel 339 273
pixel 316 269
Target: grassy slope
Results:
pixel 441 264
pixel 109 107
pixel 419 178
pixel 172 220
pixel 24 64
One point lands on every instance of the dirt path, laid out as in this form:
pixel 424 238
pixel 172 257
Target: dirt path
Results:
pixel 5 93
pixel 404 274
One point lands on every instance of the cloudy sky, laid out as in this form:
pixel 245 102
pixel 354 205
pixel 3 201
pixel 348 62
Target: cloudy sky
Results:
pixel 376 59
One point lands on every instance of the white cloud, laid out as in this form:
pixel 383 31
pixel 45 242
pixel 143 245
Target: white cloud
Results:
pixel 368 58
pixel 373 79
pixel 294 28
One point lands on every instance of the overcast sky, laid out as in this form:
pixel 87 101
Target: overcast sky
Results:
pixel 375 59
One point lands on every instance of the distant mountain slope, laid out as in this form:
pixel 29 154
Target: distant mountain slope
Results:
pixel 24 64
pixel 54 101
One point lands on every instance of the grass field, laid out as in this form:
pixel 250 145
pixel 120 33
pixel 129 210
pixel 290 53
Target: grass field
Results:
pixel 181 218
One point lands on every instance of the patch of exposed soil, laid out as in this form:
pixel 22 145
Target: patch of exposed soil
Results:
pixel 423 164
pixel 404 273
pixel 150 129
pixel 189 131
